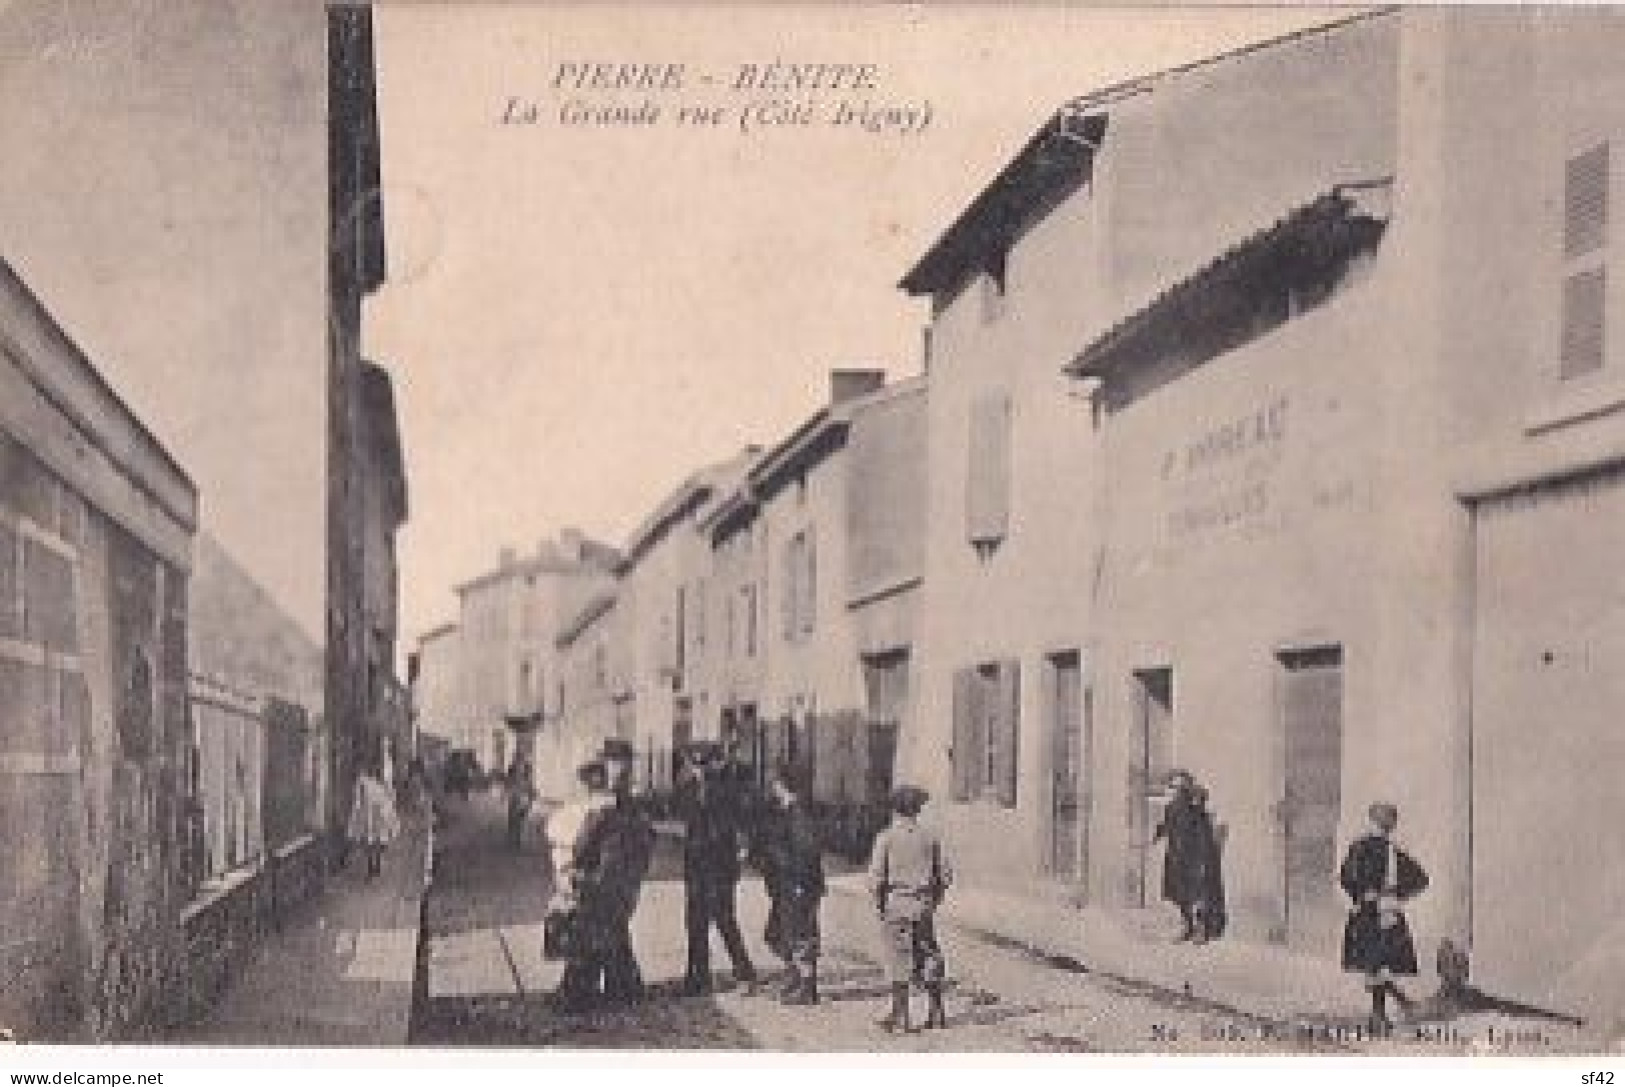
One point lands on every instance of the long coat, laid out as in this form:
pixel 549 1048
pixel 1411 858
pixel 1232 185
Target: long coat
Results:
pixel 1190 866
pixel 713 814
pixel 1377 936
pixel 611 858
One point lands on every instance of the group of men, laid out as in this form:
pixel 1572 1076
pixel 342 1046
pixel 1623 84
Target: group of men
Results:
pixel 603 845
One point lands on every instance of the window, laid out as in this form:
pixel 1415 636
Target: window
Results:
pixel 987 475
pixel 800 593
pixel 749 592
pixel 1584 305
pixel 986 719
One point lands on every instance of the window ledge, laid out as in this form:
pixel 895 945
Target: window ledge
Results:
pixel 1586 401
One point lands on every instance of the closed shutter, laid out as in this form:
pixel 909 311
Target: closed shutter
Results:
pixel 966 754
pixel 987 499
pixel 1007 720
pixel 787 589
pixel 1584 303
pixel 809 583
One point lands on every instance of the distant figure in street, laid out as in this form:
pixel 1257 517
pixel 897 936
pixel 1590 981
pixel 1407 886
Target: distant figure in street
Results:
pixel 909 874
pixel 710 801
pixel 520 786
pixel 374 822
pixel 792 866
pixel 1190 867
pixel 1379 878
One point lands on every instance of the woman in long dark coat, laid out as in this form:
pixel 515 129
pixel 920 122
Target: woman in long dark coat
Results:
pixel 1379 879
pixel 1190 866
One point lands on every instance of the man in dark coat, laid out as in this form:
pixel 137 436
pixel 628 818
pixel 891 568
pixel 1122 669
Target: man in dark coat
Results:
pixel 710 802
pixel 1379 879
pixel 792 865
pixel 611 861
pixel 1190 866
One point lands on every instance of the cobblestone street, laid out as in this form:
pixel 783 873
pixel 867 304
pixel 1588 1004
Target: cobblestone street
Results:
pixel 488 984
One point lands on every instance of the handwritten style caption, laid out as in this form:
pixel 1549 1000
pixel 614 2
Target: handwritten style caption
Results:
pixel 747 98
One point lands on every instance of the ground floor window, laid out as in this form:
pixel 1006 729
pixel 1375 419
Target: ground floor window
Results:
pixel 987 715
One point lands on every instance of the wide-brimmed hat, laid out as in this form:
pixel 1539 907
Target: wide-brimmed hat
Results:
pixel 615 751
pixel 909 799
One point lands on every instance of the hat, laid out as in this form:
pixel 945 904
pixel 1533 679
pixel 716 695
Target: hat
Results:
pixel 909 799
pixel 590 769
pixel 617 750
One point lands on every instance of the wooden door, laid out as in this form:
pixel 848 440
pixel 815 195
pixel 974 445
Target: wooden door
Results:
pixel 1312 721
pixel 1068 843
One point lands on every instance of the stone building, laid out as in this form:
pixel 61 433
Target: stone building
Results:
pixel 96 526
pixel 666 609
pixel 510 618
pixel 1324 507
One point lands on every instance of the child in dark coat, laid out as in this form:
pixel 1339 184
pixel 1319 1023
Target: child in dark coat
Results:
pixel 1379 879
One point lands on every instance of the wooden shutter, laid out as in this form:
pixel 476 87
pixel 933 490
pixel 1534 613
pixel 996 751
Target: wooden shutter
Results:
pixel 987 477
pixel 1006 719
pixel 1583 346
pixel 966 754
pixel 1585 202
pixel 1585 298
pixel 809 582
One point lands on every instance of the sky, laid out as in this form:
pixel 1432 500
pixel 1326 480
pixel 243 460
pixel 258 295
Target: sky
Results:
pixel 578 315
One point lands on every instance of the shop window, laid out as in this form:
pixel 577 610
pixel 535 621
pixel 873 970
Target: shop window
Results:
pixel 1584 305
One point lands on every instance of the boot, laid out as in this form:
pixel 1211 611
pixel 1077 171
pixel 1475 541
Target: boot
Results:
pixel 936 1017
pixel 896 1021
pixel 1381 1026
pixel 803 989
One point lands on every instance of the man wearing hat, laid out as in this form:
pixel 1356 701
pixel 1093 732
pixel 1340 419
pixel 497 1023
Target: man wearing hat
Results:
pixel 710 804
pixel 792 865
pixel 607 861
pixel 908 874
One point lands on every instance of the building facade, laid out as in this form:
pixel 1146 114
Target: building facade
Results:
pixel 96 526
pixel 1322 504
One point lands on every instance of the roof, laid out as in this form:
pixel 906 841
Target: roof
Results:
pixel 714 480
pixel 1059 156
pixel 441 631
pixel 86 394
pixel 1312 240
pixel 819 435
pixel 384 435
pixel 1055 160
pixel 599 605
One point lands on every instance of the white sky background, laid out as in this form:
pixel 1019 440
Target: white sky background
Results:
pixel 578 317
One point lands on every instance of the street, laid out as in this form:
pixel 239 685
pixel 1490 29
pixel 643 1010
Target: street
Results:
pixel 487 983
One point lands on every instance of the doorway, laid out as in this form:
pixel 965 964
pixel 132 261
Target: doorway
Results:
pixel 1070 743
pixel 1312 794
pixel 1153 756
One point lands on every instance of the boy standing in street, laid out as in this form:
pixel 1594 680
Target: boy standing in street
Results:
pixel 792 865
pixel 909 874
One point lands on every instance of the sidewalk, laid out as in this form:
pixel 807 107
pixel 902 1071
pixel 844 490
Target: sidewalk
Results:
pixel 341 973
pixel 1242 979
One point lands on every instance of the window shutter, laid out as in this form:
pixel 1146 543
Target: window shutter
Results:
pixel 810 584
pixel 987 500
pixel 1007 716
pixel 966 754
pixel 1585 202
pixel 1585 297
pixel 787 592
pixel 1584 305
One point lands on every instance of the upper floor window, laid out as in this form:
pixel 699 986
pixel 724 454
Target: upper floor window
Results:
pixel 1585 265
pixel 987 474
pixel 992 284
pixel 800 598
